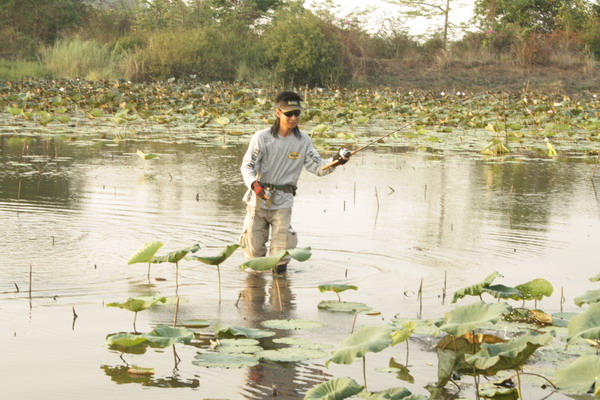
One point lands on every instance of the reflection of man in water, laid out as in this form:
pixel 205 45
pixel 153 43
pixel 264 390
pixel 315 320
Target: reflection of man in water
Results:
pixel 257 305
pixel 271 168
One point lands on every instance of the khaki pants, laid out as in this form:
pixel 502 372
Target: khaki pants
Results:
pixel 256 232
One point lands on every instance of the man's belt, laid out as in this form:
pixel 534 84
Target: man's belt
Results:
pixel 283 188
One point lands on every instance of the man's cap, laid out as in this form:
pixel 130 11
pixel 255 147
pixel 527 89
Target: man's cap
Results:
pixel 289 105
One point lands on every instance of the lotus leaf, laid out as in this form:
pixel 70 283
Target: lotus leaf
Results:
pixel 468 318
pixel 138 303
pixel 400 370
pixel 367 339
pixel 509 355
pixel 403 334
pixel 590 297
pixel 195 323
pixel 224 360
pixel 300 254
pixel 337 288
pixel 499 393
pixel 343 306
pixel 392 394
pixel 291 354
pixel 586 324
pixel 502 292
pixel 236 331
pixel 534 290
pixel 477 289
pixel 175 256
pixel 292 340
pixel 219 258
pixel 145 156
pixel 335 389
pixel 291 324
pixel 239 349
pixel 238 342
pixel 595 278
pixel 125 340
pixel 264 263
pixel 579 377
pixel 164 336
pixel 145 253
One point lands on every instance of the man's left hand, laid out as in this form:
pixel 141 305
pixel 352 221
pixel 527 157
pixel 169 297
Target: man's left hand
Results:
pixel 342 156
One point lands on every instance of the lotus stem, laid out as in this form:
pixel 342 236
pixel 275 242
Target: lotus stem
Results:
pixel 148 271
pixel 591 177
pixel 365 371
pixel 353 322
pixel 406 353
pixel 519 385
pixel 278 293
pixel 176 278
pixel 562 298
pixel 176 312
pixel 219 275
pixel 338 296
pixel 134 319
pixel 30 278
pixel 533 374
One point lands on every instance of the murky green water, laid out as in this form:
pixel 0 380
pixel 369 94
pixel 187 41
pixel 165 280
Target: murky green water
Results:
pixel 73 211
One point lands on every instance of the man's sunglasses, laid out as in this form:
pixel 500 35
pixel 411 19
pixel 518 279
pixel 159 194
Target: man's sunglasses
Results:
pixel 290 113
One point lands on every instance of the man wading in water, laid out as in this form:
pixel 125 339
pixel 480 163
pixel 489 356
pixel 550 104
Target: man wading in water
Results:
pixel 271 168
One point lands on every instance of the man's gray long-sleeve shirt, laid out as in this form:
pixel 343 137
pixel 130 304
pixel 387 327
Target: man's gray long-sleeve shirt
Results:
pixel 279 161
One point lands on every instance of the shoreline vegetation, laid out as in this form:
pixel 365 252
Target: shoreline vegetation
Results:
pixel 550 46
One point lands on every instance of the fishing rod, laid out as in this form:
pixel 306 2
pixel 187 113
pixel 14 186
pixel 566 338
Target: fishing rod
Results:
pixel 406 125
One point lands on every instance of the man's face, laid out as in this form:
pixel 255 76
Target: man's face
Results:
pixel 288 119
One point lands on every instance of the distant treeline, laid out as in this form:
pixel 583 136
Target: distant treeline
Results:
pixel 277 40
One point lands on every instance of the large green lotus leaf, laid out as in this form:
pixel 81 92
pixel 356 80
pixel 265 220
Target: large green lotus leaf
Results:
pixel 337 288
pixel 477 289
pixel 468 318
pixel 301 254
pixel 175 256
pixel 579 377
pixel 125 340
pixel 534 290
pixel 291 354
pixel 291 324
pixel 451 351
pixel 236 331
pixel 499 393
pixel 343 306
pixel 586 324
pixel 502 292
pixel 137 304
pixel 164 336
pixel 367 339
pixel 145 253
pixel 224 360
pixel 590 297
pixel 219 258
pixel 402 335
pixel 509 355
pixel 264 263
pixel 595 278
pixel 335 389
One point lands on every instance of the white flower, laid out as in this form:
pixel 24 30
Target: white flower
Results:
pixel 62 89
pixel 557 104
pixel 525 100
pixel 442 93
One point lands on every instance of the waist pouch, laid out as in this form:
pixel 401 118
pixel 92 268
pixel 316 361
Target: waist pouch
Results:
pixel 283 188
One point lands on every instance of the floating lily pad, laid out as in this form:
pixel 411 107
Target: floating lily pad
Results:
pixel 239 349
pixel 392 394
pixel 468 318
pixel 224 360
pixel 238 342
pixel 137 304
pixel 343 306
pixel 291 324
pixel 236 331
pixel 125 340
pixel 292 341
pixel 291 354
pixel 195 323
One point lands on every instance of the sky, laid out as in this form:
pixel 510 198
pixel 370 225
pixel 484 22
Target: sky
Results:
pixel 382 9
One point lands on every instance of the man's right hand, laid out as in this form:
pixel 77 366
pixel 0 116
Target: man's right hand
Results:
pixel 259 189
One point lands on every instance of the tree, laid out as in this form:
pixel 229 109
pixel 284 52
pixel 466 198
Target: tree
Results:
pixel 429 9
pixel 42 20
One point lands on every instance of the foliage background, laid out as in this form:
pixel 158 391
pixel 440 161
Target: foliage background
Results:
pixel 508 43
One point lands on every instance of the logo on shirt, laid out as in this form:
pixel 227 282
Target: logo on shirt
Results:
pixel 294 156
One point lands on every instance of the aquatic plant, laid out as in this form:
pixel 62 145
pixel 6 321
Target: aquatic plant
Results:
pixel 145 254
pixel 217 261
pixel 580 377
pixel 586 325
pixel 336 288
pixel 335 389
pixel 137 304
pixel 174 257
pixel 477 289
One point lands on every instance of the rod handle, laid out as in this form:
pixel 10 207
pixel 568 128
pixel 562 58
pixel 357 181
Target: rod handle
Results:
pixel 334 163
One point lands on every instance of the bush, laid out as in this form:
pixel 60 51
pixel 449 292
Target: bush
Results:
pixel 303 49
pixel 209 52
pixel 71 58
